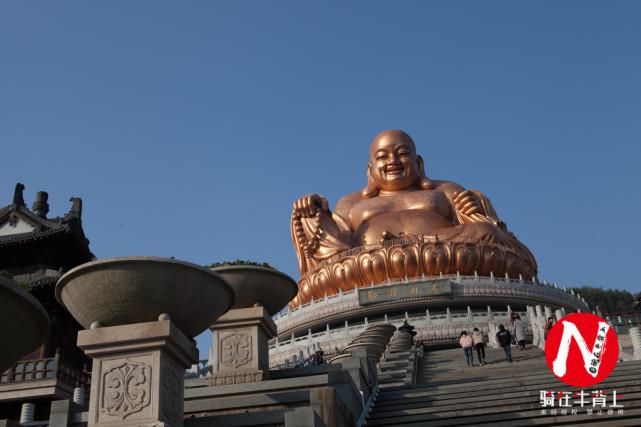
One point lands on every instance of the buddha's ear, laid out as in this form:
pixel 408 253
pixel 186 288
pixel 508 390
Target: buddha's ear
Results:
pixel 421 164
pixel 372 189
pixel 423 182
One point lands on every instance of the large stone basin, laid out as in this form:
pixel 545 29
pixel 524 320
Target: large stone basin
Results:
pixel 118 291
pixel 24 323
pixel 373 347
pixel 254 284
pixel 371 338
pixel 385 330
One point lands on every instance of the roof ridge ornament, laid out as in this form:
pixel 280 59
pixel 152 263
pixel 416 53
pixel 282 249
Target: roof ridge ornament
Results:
pixel 18 199
pixel 40 206
pixel 76 207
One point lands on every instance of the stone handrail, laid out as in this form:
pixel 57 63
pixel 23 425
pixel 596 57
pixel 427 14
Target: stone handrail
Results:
pixel 436 327
pixel 471 286
pixel 46 369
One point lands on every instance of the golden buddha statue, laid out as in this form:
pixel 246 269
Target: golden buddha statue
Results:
pixel 402 225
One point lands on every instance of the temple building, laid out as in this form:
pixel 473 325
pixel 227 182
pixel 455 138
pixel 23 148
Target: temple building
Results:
pixel 35 250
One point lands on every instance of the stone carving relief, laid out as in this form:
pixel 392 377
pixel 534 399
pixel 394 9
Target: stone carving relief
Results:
pixel 171 396
pixel 126 389
pixel 237 378
pixel 236 350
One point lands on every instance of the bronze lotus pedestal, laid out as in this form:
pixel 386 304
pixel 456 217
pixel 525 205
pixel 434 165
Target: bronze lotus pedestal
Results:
pixel 241 336
pixel 141 314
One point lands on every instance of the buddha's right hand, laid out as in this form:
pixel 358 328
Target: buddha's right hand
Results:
pixel 309 205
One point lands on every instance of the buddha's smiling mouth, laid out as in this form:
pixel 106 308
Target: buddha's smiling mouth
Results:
pixel 394 170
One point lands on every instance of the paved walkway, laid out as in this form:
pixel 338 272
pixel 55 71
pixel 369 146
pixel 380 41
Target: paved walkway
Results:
pixel 446 365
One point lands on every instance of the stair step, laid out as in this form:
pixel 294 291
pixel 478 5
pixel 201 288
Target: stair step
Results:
pixel 480 386
pixel 511 415
pixel 505 399
pixel 393 365
pixel 385 403
pixel 492 377
pixel 500 393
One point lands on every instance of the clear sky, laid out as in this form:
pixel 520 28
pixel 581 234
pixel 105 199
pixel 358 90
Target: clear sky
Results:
pixel 189 128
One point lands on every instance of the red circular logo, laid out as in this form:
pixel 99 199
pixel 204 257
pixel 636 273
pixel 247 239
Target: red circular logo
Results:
pixel 581 349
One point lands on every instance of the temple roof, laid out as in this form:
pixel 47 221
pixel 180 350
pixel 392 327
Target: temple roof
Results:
pixel 30 241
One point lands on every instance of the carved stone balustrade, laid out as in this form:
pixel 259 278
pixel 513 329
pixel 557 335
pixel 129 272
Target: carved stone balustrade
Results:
pixel 241 352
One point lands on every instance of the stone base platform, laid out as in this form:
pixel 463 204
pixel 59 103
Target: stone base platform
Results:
pixel 439 307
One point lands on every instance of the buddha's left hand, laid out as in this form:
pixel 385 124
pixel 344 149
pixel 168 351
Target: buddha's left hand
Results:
pixel 467 203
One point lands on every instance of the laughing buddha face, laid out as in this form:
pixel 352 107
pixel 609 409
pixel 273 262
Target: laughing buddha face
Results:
pixel 393 163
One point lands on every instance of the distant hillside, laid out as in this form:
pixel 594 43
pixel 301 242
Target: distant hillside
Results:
pixel 608 300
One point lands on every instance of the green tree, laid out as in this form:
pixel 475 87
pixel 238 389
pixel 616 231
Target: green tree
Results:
pixel 610 301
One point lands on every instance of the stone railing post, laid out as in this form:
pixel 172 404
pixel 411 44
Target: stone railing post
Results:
pixel 79 396
pixel 490 314
pixel 558 314
pixel 531 314
pixel 27 412
pixel 635 337
pixel 241 352
pixel 540 323
pixel 491 336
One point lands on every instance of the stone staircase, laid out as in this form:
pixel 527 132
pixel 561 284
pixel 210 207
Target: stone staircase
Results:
pixel 499 393
pixel 398 364
pixel 396 369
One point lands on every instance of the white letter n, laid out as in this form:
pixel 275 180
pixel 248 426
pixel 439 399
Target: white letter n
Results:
pixel 559 366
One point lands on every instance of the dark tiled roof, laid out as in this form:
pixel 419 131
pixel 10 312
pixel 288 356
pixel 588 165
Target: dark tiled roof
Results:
pixel 58 242
pixel 16 239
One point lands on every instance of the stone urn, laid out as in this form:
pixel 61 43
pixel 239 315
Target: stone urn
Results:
pixel 372 347
pixel 258 285
pixel 240 342
pixel 24 323
pixel 373 341
pixel 342 357
pixel 385 330
pixel 371 338
pixel 142 314
pixel 125 290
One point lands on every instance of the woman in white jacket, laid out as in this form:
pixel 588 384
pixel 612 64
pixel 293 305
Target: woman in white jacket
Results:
pixel 519 331
pixel 467 344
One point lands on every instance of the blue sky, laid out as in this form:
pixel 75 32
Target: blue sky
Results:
pixel 189 128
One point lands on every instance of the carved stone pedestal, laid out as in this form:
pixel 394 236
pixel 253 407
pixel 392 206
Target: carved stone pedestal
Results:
pixel 138 372
pixel 241 351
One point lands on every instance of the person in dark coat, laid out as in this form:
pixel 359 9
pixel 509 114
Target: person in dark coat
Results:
pixel 505 340
pixel 548 327
pixel 479 345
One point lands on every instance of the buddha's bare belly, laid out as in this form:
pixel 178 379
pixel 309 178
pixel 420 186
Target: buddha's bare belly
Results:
pixel 419 222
